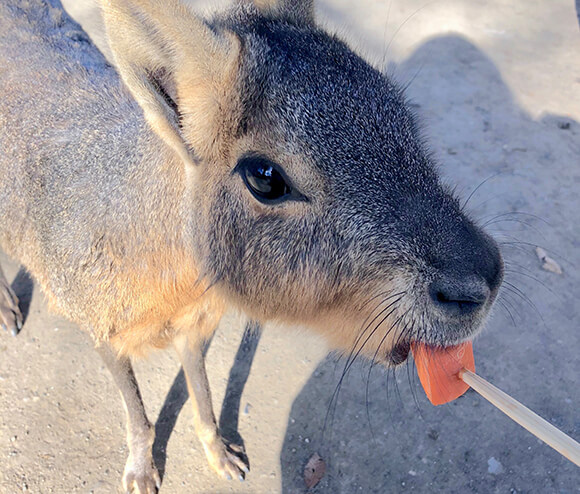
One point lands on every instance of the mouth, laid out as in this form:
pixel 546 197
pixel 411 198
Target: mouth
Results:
pixel 399 353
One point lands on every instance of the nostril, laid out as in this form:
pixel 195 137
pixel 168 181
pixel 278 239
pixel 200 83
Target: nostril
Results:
pixel 441 297
pixel 463 306
pixel 458 297
pixel 446 298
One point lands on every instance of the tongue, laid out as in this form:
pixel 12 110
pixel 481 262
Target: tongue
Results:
pixel 438 369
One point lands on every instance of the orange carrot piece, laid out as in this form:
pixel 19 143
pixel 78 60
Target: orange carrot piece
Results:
pixel 438 369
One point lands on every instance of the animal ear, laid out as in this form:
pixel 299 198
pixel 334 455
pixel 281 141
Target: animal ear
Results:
pixel 299 11
pixel 170 60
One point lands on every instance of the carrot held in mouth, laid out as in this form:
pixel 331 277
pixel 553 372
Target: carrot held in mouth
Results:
pixel 438 369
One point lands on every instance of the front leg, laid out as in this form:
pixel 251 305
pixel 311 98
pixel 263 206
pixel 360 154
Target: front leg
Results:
pixel 228 460
pixel 140 475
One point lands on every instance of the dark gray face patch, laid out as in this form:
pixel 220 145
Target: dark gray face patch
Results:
pixel 383 211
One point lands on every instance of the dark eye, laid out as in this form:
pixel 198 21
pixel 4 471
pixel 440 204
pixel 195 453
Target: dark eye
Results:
pixel 264 180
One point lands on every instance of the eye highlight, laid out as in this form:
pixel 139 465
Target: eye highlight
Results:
pixel 265 180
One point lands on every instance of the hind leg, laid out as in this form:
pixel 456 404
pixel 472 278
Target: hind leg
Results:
pixel 10 315
pixel 140 476
pixel 228 460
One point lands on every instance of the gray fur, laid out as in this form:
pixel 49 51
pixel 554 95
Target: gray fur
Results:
pixel 78 162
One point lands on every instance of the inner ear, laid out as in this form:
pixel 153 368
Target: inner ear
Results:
pixel 160 47
pixel 164 83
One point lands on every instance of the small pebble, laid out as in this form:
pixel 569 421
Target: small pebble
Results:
pixel 494 467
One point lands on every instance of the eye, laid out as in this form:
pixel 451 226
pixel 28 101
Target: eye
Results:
pixel 265 180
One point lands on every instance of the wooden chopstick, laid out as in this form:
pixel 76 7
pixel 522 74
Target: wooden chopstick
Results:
pixel 535 424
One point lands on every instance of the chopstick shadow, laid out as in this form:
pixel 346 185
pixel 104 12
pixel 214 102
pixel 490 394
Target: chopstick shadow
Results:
pixel 229 416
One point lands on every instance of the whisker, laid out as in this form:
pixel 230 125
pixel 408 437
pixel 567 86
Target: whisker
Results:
pixel 531 277
pixel 361 334
pixel 477 188
pixel 407 85
pixel 405 22
pixel 514 220
pixel 351 359
pixel 510 299
pixel 410 365
pixel 522 213
pixel 505 307
pixel 510 245
pixel 549 251
pixel 393 326
pixel 398 341
pixel 384 57
pixel 516 291
pixel 486 201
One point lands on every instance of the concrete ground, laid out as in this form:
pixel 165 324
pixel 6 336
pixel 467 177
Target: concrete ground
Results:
pixel 497 86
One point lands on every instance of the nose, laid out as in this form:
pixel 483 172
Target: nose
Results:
pixel 456 296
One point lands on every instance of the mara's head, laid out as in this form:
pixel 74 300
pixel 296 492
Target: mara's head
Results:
pixel 311 196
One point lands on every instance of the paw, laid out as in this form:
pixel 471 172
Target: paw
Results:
pixel 228 460
pixel 141 478
pixel 10 315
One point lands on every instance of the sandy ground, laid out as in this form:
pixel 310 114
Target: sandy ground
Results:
pixel 497 85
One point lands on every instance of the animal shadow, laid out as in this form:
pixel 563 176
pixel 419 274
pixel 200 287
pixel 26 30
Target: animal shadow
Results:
pixel 23 287
pixel 381 435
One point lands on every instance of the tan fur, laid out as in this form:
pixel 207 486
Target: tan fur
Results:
pixel 173 40
pixel 211 103
pixel 181 303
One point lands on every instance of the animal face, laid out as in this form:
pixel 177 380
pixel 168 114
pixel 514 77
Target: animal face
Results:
pixel 329 211
pixel 313 198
